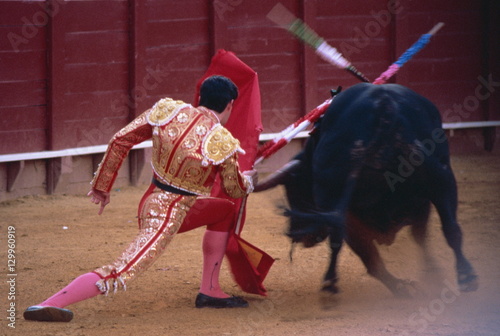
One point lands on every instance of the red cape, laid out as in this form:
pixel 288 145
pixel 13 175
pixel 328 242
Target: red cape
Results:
pixel 249 264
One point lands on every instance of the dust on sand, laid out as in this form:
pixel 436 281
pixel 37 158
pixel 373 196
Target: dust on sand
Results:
pixel 60 237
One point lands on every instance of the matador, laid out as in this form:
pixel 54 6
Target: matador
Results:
pixel 190 147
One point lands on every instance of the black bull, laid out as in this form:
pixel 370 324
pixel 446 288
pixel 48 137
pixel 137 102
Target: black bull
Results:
pixel 374 163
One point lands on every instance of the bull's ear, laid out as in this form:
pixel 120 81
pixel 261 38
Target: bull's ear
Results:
pixel 280 176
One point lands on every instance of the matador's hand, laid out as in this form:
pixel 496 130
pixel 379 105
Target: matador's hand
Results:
pixel 253 175
pixel 97 196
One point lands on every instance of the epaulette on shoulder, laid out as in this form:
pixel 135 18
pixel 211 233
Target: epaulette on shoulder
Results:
pixel 219 144
pixel 164 111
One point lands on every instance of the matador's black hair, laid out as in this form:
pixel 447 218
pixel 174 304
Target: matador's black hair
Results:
pixel 216 92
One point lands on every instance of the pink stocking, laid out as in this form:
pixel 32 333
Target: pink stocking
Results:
pixel 81 288
pixel 214 248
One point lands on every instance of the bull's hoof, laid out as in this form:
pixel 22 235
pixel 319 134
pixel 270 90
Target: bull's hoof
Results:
pixel 407 289
pixel 468 282
pixel 330 286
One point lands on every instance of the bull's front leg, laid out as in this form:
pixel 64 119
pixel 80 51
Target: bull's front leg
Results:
pixel 330 280
pixel 335 179
pixel 361 240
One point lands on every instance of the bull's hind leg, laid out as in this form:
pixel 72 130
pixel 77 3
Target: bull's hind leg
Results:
pixel 419 225
pixel 432 275
pixel 361 240
pixel 444 198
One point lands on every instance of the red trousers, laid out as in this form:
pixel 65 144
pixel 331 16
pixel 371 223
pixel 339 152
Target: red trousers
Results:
pixel 161 216
pixel 217 214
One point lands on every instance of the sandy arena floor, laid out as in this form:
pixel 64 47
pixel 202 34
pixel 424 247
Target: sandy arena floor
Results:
pixel 161 302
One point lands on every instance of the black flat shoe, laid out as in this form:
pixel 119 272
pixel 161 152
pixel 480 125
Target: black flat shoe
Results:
pixel 48 314
pixel 203 300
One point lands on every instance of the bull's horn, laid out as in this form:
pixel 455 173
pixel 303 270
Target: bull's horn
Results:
pixel 278 177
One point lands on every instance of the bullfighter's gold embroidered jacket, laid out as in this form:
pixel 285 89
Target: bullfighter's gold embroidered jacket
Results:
pixel 189 148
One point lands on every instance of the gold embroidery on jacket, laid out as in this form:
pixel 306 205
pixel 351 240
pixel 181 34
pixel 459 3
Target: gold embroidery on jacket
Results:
pixel 220 145
pixel 177 158
pixel 235 184
pixel 165 110
pixel 208 113
pixel 155 233
pixel 117 150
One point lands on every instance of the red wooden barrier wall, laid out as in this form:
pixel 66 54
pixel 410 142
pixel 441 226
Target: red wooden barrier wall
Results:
pixel 74 72
pixel 23 77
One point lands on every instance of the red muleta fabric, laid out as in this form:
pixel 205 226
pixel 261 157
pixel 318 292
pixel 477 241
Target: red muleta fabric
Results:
pixel 249 264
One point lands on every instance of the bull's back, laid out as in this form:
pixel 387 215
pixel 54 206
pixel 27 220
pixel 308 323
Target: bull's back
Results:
pixel 368 131
pixel 362 105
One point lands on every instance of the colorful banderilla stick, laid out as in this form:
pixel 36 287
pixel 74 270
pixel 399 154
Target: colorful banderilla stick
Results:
pixel 285 136
pixel 285 19
pixel 291 131
pixel 408 54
